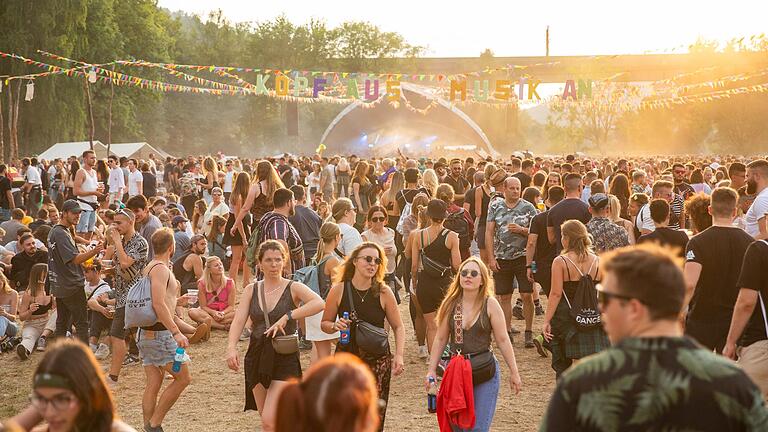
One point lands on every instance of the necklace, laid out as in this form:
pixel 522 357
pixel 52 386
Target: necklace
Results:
pixel 362 297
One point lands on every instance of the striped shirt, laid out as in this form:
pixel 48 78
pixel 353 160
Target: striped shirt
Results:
pixel 274 226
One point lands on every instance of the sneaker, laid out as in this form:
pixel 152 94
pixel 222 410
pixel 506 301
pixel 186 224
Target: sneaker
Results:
pixel 517 310
pixel 131 360
pixel 199 334
pixel 22 352
pixel 41 344
pixel 539 310
pixel 245 335
pixel 148 428
pixel 529 339
pixel 102 352
pixel 538 342
pixel 423 353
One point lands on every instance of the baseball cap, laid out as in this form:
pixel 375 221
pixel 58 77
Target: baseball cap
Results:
pixel 72 206
pixel 437 209
pixel 178 219
pixel 598 201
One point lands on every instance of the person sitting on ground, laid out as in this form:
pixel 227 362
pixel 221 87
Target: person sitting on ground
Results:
pixel 653 377
pixel 14 247
pixel 9 305
pixel 69 394
pixel 22 262
pixel 13 225
pixel 216 294
pixel 336 394
pixel 100 316
pixel 35 310
pixel 42 219
pixel 188 268
pixel 180 236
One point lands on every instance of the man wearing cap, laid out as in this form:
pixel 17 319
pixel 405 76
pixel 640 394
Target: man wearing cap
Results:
pixel 180 236
pixel 66 274
pixel 606 234
pixel 652 378
pixel 128 250
pixel 507 230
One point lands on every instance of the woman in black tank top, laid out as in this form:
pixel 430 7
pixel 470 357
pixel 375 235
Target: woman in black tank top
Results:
pixel 362 293
pixel 471 293
pixel 267 371
pixel 435 255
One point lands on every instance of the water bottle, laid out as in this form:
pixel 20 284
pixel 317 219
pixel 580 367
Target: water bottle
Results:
pixel 432 396
pixel 177 359
pixel 533 267
pixel 344 339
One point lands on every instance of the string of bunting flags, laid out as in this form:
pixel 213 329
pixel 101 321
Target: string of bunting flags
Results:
pixel 369 89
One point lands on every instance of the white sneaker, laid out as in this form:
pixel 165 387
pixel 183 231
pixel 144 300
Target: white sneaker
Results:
pixel 102 352
pixel 423 353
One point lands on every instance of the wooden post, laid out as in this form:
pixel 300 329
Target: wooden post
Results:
pixel 109 123
pixel 90 110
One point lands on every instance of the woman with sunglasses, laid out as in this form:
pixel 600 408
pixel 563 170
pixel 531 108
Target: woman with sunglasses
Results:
pixel 565 340
pixel 266 370
pixel 69 394
pixel 481 313
pixel 361 284
pixel 383 236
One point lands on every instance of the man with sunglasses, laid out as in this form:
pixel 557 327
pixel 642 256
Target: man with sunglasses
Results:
pixel 652 378
pixel 682 188
pixel 457 180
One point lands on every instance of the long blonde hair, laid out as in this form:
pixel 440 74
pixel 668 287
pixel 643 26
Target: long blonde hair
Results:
pixel 5 285
pixel 210 166
pixel 397 184
pixel 614 207
pixel 348 267
pixel 419 210
pixel 208 277
pixel 37 272
pixel 579 239
pixel 430 181
pixel 267 172
pixel 328 233
pixel 455 290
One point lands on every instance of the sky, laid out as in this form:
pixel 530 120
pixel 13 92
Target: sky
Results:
pixel 515 28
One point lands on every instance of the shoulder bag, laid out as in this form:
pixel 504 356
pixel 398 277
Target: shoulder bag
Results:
pixel 430 266
pixel 483 362
pixel 286 344
pixel 370 338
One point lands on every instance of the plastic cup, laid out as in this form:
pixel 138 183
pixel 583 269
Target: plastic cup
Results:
pixel 192 294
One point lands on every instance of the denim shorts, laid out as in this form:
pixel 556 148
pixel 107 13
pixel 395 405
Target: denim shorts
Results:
pixel 87 222
pixel 158 349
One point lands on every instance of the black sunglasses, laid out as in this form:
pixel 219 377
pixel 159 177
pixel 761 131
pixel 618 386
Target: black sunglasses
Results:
pixel 378 219
pixel 605 297
pixel 471 273
pixel 369 259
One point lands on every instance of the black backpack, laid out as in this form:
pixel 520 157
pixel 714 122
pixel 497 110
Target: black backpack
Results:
pixel 457 223
pixel 583 306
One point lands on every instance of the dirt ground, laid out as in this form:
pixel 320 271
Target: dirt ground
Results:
pixel 215 399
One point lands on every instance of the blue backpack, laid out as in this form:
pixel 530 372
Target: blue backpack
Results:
pixel 310 276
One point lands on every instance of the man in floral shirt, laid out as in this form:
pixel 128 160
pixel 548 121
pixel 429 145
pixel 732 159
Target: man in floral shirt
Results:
pixel 606 234
pixel 653 378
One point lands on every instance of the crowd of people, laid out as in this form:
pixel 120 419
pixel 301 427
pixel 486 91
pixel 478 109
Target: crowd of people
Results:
pixel 653 270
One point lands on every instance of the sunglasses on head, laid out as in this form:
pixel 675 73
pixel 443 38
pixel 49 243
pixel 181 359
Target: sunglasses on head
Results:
pixel 470 273
pixel 369 259
pixel 378 219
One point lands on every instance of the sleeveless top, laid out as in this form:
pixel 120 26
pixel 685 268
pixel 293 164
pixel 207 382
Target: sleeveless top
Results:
pixel 283 305
pixel 324 280
pixel 260 206
pixel 90 184
pixel 368 308
pixel 186 277
pixel 43 309
pixel 221 301
pixel 478 337
pixel 569 286
pixel 437 250
pixel 386 238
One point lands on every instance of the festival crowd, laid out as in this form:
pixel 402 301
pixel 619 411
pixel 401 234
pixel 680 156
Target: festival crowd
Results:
pixel 653 270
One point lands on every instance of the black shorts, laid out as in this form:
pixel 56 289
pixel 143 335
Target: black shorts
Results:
pixel 117 329
pixel 509 272
pixel 710 334
pixel 98 323
pixel 430 291
pixel 480 235
pixel 543 276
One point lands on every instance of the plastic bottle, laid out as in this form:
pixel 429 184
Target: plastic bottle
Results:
pixel 178 359
pixel 432 396
pixel 533 266
pixel 344 338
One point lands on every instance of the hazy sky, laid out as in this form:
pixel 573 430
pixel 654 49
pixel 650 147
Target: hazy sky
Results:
pixel 512 28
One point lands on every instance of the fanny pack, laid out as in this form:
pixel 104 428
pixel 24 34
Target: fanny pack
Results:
pixel 93 206
pixel 287 344
pixel 483 362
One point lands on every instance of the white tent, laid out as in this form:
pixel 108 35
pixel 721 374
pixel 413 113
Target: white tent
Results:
pixel 139 150
pixel 67 149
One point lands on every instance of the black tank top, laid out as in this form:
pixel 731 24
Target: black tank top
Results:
pixel 283 305
pixel 43 309
pixel 478 337
pixel 367 306
pixel 186 277
pixel 437 250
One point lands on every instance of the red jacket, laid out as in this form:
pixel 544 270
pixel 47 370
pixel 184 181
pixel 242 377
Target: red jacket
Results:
pixel 456 397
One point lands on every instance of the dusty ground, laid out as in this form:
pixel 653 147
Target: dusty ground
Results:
pixel 214 401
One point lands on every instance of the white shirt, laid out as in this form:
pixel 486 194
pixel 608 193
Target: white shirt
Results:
pixel 33 176
pixel 756 211
pixel 104 288
pixel 116 181
pixel 134 179
pixel 228 178
pixel 350 239
pixel 219 210
pixel 643 219
pixel 313 180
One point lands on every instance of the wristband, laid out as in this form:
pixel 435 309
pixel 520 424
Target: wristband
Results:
pixel 290 315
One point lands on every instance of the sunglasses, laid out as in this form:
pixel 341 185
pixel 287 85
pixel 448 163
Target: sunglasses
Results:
pixel 604 297
pixel 378 219
pixel 371 260
pixel 470 273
